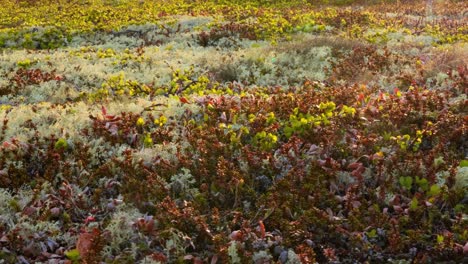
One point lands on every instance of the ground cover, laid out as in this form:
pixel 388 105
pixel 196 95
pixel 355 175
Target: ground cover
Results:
pixel 233 131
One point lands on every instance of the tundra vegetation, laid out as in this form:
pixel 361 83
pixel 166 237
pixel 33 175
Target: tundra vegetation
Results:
pixel 224 131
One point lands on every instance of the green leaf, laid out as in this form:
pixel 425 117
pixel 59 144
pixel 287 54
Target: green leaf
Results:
pixel 61 143
pixel 440 239
pixel 288 131
pixel 422 183
pixel 414 204
pixel 268 212
pixel 438 162
pixel 73 255
pixel 148 141
pixel 372 233
pixel 463 163
pixel 406 182
pixel 459 208
pixel 434 190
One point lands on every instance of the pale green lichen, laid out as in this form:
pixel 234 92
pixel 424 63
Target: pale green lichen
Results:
pixel 7 215
pixel 293 258
pixel 261 257
pixel 121 229
pixel 233 254
pixel 461 178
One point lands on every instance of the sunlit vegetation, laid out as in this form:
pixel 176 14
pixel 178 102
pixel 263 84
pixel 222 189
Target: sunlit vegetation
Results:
pixel 231 131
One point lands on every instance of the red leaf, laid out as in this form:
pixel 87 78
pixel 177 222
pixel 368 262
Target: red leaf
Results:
pixel 85 244
pixel 397 208
pixel 104 111
pixel 381 96
pixel 89 219
pixel 354 165
pixel 149 225
pixel 6 144
pixel 237 235
pixel 183 100
pixel 159 257
pixel 262 228
pixel 188 257
pixel 29 211
pixel 361 97
pixel 358 172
